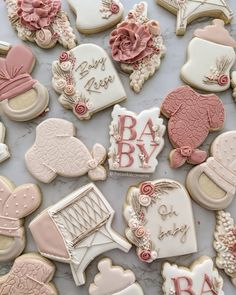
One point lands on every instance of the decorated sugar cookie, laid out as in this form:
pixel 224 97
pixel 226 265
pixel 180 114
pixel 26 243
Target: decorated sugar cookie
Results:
pixel 233 83
pixel 138 45
pixel 190 10
pixel 42 22
pixel 136 140
pixel 201 278
pixel 191 117
pixel 213 183
pixel 56 151
pixel 210 58
pixel 4 151
pixel 15 204
pixel 159 215
pixel 77 229
pixel 87 80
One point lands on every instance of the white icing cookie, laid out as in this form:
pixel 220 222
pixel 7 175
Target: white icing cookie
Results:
pixel 114 280
pixel 159 215
pixel 201 278
pixel 77 229
pixel 95 16
pixel 136 140
pixel 87 80
pixel 4 151
pixel 233 83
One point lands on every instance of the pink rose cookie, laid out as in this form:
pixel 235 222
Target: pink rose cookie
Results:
pixel 213 183
pixel 77 229
pixel 41 21
pixel 191 117
pixel 56 151
pixel 138 45
pixel 4 151
pixel 159 215
pixel 15 204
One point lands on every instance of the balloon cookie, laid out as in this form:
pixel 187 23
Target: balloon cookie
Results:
pixel 159 215
pixel 189 10
pixel 77 229
pixel 138 45
pixel 42 22
pixel 114 280
pixel 210 58
pixel 94 16
pixel 4 152
pixel 15 204
pixel 87 80
pixel 191 117
pixel 213 184
pixel 56 151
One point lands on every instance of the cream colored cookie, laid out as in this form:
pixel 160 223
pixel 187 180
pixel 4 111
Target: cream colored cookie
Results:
pixel 233 83
pixel 4 151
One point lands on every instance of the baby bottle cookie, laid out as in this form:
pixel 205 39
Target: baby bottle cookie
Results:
pixel 4 151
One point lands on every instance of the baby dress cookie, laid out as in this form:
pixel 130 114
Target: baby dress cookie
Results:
pixel 189 10
pixel 77 229
pixel 213 183
pixel 191 117
pixel 21 97
pixel 15 204
pixel 136 140
pixel 114 280
pixel 201 278
pixel 56 151
pixel 159 215
pixel 87 80
pixel 4 151
pixel 138 45
pixel 210 58
pixel 41 21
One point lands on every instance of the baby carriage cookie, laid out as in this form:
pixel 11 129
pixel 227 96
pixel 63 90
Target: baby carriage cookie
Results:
pixel 4 152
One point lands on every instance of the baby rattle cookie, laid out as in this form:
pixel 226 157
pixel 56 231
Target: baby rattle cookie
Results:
pixel 211 56
pixel 213 184
pixel 114 280
pixel 4 151
pixel 191 117
pixel 138 45
pixel 159 215
pixel 15 204
pixel 42 22
pixel 77 229
pixel 87 80
pixel 189 10
pixel 56 151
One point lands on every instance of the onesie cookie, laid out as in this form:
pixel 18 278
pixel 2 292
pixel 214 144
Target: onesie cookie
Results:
pixel 189 10
pixel 159 215
pixel 87 81
pixel 210 58
pixel 4 151
pixel 138 45
pixel 114 280
pixel 56 151
pixel 191 117
pixel 136 140
pixel 77 229
pixel 213 184
pixel 15 204
pixel 21 97
pixel 42 22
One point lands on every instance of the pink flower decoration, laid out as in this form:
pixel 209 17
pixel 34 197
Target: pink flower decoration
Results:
pixel 114 8
pixel 140 232
pixel 145 255
pixel 64 56
pixel 69 90
pixel 81 108
pixel 186 151
pixel 223 80
pixel 147 188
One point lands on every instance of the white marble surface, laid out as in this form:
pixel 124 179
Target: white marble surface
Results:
pixel 20 137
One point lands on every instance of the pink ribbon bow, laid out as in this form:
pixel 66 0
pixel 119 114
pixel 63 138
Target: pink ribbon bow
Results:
pixel 187 154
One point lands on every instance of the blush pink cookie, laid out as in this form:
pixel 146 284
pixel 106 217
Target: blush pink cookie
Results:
pixel 191 117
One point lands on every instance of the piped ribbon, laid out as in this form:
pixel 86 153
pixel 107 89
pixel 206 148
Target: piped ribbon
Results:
pixel 10 227
pixel 185 154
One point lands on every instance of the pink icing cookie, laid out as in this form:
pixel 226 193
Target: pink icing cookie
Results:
pixel 191 117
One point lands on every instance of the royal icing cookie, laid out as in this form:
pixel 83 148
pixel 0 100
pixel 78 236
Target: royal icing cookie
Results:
pixel 56 151
pixel 4 151
pixel 42 22
pixel 77 229
pixel 114 280
pixel 15 204
pixel 210 58
pixel 213 183
pixel 94 16
pixel 159 215
pixel 21 97
pixel 138 45
pixel 201 278
pixel 233 83
pixel 191 117
pixel 136 140
pixel 189 10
